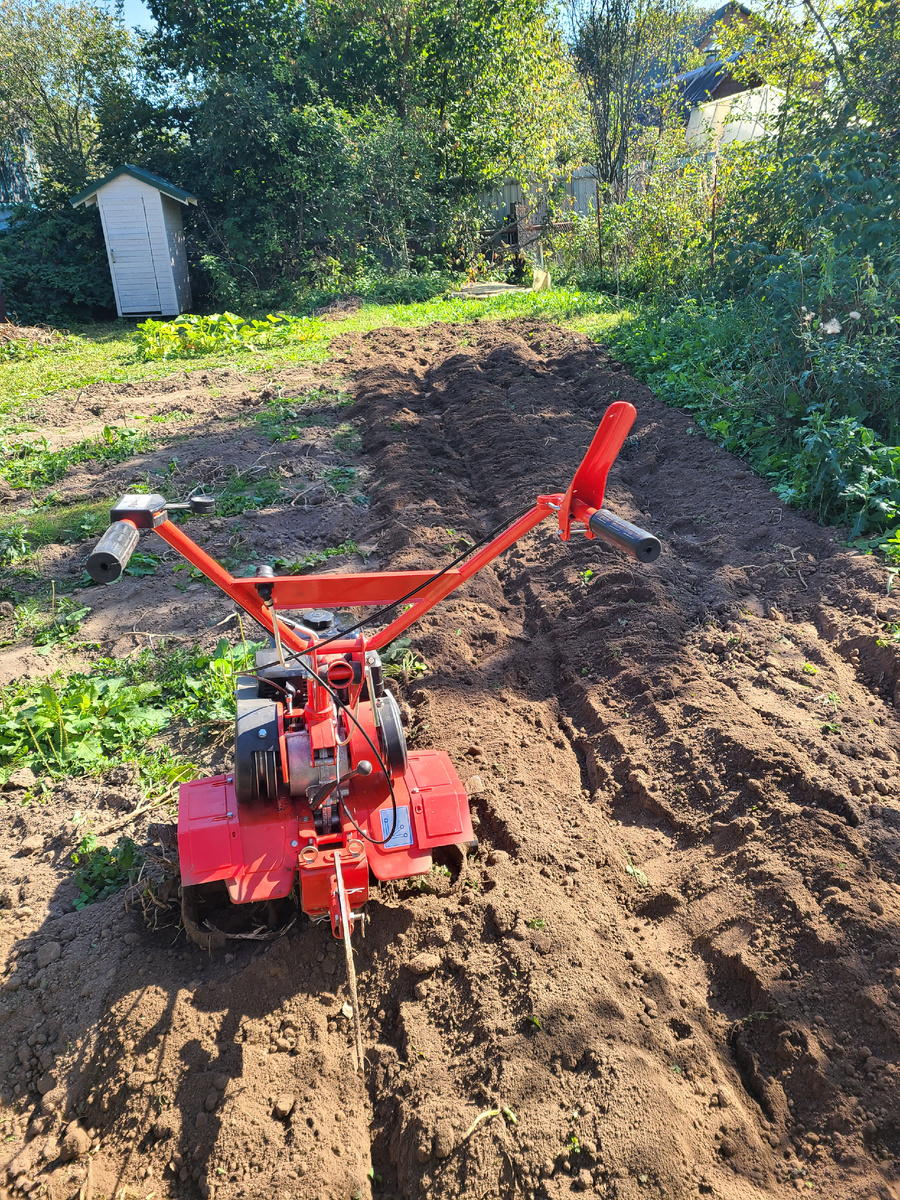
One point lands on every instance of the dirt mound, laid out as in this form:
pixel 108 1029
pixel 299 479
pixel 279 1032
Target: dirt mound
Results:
pixel 672 969
pixel 38 335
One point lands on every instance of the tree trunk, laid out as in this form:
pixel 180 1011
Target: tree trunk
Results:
pixel 4 315
pixel 599 236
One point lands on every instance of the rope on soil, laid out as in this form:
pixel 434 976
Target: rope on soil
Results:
pixel 351 969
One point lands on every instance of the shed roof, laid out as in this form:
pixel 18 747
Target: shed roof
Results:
pixel 156 181
pixel 699 85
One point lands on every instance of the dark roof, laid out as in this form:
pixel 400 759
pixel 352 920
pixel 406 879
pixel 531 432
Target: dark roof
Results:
pixel 157 181
pixel 698 85
pixel 708 23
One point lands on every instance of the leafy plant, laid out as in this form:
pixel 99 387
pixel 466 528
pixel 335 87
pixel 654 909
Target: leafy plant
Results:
pixel 399 660
pixel 142 563
pixel 77 724
pixel 190 334
pixel 245 491
pixel 34 464
pixel 316 558
pixel 198 685
pixel 99 871
pixel 339 479
pixel 65 622
pixel 14 545
pixel 637 874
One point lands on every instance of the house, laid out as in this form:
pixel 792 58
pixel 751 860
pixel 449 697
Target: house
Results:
pixel 141 216
pixel 718 107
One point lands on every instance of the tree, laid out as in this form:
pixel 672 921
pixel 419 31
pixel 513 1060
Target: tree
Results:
pixel 57 60
pixel 624 51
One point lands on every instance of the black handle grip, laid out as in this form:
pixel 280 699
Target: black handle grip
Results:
pixel 110 556
pixel 624 536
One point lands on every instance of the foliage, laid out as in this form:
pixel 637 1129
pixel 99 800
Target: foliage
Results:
pixel 66 618
pixel 76 725
pixel 57 60
pixel 198 685
pixel 624 51
pixel 188 335
pixel 316 558
pixel 54 268
pixel 34 464
pixel 101 871
pixel 714 360
pixel 401 661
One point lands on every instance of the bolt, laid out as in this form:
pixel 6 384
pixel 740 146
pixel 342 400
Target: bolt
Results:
pixel 294 845
pixel 262 733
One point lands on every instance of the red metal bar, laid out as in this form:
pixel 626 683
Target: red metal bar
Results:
pixel 589 483
pixel 430 596
pixel 377 588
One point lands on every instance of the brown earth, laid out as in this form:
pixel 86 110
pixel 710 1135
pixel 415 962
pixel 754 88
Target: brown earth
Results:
pixel 673 965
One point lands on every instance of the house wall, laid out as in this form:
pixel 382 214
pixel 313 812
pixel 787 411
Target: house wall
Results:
pixel 177 252
pixel 580 187
pixel 137 245
pixel 739 118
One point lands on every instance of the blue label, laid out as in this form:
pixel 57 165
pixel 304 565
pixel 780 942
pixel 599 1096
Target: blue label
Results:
pixel 402 835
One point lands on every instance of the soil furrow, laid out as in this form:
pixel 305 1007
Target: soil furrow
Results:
pixel 673 966
pixel 710 786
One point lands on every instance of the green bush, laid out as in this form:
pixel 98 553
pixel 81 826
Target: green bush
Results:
pixel 721 362
pixel 54 267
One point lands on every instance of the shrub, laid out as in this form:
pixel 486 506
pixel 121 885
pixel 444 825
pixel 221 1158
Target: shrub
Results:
pixel 54 267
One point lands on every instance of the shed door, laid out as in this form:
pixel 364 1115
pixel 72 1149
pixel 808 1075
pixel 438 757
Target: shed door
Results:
pixel 128 241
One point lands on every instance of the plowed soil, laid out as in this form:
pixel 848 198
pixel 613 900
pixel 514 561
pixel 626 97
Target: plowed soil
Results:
pixel 673 966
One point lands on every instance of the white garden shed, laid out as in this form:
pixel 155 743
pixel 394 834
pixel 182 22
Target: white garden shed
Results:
pixel 141 216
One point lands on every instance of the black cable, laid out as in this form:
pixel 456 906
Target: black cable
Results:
pixel 371 618
pixel 375 842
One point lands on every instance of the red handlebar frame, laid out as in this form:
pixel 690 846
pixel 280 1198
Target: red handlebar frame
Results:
pixel 258 596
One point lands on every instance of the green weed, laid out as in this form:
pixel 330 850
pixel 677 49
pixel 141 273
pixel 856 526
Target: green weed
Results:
pixel 399 660
pixel 100 872
pixel 34 464
pixel 76 725
pixel 339 479
pixel 635 872
pixel 315 558
pixel 14 546
pixel 247 491
pixel 66 618
pixel 198 686
pixel 142 563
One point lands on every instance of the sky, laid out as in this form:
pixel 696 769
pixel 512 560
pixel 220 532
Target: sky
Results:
pixel 136 13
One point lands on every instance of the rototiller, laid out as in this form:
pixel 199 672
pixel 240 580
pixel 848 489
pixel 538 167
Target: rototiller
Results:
pixel 323 784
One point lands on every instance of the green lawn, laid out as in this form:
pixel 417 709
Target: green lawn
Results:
pixel 107 353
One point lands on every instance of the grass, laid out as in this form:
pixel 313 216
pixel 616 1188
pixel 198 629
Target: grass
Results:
pixel 108 353
pixel 32 464
pixel 50 524
pixel 88 722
